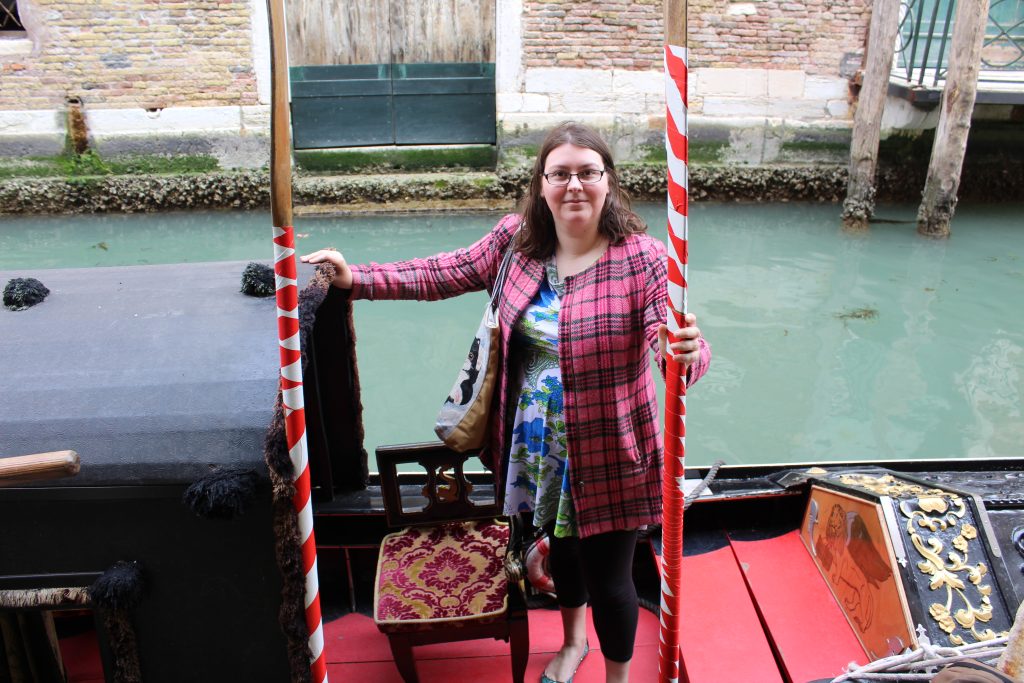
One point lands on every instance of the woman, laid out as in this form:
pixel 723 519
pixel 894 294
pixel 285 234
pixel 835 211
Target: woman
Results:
pixel 575 439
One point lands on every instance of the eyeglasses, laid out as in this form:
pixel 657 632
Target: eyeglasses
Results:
pixel 587 177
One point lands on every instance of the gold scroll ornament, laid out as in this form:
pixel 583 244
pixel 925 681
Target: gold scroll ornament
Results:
pixel 930 511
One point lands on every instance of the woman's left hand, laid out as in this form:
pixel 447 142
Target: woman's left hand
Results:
pixel 685 347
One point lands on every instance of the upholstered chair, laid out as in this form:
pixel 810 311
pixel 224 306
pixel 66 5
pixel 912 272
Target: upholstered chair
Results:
pixel 442 577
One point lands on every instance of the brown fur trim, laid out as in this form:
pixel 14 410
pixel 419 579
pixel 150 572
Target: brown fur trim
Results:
pixel 288 545
pixel 310 299
pixel 124 649
pixel 44 597
pixel 357 392
pixel 351 475
pixel 292 615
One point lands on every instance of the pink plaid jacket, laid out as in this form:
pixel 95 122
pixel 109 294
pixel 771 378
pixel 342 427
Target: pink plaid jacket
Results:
pixel 609 318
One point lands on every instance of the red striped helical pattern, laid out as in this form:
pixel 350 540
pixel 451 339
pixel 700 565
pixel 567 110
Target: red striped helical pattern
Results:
pixel 295 429
pixel 675 389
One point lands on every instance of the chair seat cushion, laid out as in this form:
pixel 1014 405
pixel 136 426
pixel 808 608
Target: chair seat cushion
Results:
pixel 449 573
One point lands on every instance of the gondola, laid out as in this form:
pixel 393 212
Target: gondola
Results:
pixel 169 551
pixel 107 368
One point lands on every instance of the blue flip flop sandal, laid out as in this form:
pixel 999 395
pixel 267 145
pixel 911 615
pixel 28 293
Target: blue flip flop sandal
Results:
pixel 544 678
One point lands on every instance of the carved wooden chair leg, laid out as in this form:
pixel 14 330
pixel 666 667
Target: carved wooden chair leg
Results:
pixel 401 650
pixel 519 640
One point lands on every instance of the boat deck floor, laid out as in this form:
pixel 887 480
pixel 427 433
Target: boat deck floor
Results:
pixel 357 651
pixel 755 608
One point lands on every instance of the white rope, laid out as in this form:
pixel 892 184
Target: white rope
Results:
pixel 921 664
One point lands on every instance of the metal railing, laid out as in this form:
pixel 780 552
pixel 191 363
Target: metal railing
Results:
pixel 9 18
pixel 923 42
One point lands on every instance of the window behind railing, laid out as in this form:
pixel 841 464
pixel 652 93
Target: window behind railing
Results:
pixel 9 19
pixel 924 41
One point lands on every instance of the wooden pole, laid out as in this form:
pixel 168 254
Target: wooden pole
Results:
pixel 955 109
pixel 676 146
pixel 287 296
pixel 859 205
pixel 24 468
pixel 280 136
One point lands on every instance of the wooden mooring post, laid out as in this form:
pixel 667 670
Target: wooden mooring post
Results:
pixel 957 105
pixel 859 205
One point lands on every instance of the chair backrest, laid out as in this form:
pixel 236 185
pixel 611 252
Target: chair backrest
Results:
pixel 447 494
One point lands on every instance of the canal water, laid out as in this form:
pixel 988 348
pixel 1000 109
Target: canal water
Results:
pixel 827 346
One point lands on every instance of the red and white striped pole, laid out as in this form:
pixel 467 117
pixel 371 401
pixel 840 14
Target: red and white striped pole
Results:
pixel 288 330
pixel 670 663
pixel 295 430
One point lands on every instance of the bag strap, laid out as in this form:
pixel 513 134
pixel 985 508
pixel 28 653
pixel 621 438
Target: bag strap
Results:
pixel 499 281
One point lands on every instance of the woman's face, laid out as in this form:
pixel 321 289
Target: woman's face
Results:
pixel 576 207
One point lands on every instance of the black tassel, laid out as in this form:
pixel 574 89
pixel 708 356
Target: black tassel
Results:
pixel 223 494
pixel 258 280
pixel 120 587
pixel 24 292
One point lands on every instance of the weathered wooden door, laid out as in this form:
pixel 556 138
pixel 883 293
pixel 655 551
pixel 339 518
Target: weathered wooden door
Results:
pixel 380 72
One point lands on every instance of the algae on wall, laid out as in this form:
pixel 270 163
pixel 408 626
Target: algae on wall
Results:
pixel 89 163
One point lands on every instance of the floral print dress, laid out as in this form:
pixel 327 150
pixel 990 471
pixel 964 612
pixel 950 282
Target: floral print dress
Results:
pixel 538 471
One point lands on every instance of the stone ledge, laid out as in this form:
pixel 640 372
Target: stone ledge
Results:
pixel 469 191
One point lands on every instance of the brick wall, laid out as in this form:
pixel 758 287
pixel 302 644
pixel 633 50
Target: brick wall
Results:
pixel 624 34
pixel 131 53
pixel 812 35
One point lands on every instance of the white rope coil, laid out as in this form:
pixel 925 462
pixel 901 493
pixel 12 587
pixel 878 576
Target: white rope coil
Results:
pixel 922 664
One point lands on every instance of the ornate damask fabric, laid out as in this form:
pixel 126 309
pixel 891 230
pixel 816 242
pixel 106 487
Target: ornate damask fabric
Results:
pixel 451 573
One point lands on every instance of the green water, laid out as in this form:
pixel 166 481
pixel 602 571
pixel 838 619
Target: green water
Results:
pixel 826 346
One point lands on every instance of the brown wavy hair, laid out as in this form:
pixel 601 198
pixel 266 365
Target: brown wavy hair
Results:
pixel 537 238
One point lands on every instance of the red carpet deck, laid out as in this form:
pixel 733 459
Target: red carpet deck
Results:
pixel 721 635
pixel 810 634
pixel 356 651
pixel 754 611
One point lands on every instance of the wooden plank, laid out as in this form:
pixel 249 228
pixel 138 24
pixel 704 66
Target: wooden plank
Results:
pixel 810 635
pixel 322 32
pixel 442 31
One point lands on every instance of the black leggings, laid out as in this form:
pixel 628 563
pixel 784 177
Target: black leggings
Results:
pixel 600 568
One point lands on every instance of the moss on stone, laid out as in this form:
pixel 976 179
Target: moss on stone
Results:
pixel 90 164
pixel 831 146
pixel 643 181
pixel 708 152
pixel 513 156
pixel 906 147
pixel 337 161
pixel 133 165
pixel 33 167
pixel 653 154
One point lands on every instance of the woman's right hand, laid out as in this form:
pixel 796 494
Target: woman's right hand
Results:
pixel 342 272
